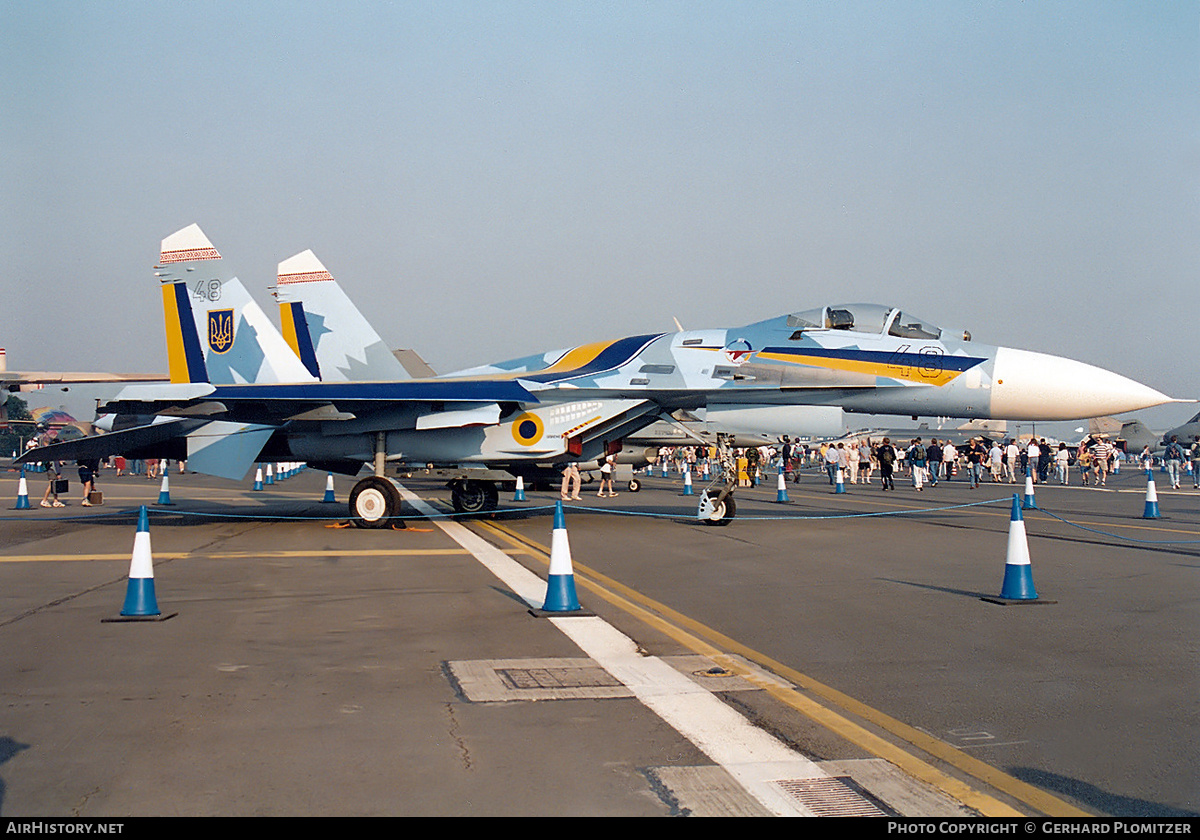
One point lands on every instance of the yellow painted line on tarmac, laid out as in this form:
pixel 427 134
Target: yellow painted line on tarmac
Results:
pixel 84 558
pixel 709 642
pixel 249 555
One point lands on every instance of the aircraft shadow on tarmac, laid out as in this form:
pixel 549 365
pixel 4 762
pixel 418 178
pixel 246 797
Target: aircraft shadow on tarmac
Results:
pixel 1099 800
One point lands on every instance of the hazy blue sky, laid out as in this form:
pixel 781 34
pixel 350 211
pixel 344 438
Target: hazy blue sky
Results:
pixel 493 179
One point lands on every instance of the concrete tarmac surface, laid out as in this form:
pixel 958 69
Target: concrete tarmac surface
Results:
pixel 788 663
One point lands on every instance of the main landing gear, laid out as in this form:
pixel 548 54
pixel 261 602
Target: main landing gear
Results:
pixel 374 501
pixel 469 495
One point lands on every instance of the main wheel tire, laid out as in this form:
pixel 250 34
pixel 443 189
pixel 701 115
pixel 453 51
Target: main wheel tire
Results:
pixel 724 513
pixel 634 485
pixel 474 496
pixel 373 502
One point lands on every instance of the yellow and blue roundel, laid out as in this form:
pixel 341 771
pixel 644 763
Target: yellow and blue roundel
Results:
pixel 527 429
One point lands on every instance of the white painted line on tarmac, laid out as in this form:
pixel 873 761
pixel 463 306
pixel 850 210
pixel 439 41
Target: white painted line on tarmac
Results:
pixel 753 757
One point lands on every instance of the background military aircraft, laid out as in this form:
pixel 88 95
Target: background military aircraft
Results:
pixel 13 380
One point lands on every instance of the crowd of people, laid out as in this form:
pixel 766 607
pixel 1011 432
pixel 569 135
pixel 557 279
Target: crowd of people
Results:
pixel 977 461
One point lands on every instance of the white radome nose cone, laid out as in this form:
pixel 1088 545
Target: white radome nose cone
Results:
pixel 1038 386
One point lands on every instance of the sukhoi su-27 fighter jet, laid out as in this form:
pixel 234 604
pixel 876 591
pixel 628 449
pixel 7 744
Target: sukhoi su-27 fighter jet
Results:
pixel 572 404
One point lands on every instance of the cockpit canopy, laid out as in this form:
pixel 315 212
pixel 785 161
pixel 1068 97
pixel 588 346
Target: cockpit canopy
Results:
pixel 870 318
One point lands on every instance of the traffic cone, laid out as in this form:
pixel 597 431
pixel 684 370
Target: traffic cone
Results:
pixel 258 481
pixel 781 487
pixel 664 468
pixel 687 483
pixel 1018 573
pixel 1151 498
pixel 1029 503
pixel 22 493
pixel 329 497
pixel 840 486
pixel 560 587
pixel 164 492
pixel 519 496
pixel 140 603
pixel 270 475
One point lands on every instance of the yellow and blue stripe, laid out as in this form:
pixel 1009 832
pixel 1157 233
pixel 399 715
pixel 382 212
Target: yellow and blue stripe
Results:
pixel 185 358
pixel 297 336
pixel 926 368
pixel 592 359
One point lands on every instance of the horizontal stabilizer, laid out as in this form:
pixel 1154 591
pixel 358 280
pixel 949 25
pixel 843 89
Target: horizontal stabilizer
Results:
pixel 226 450
pixel 114 443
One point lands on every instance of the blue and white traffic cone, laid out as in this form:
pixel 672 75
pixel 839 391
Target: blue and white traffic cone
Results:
pixel 664 468
pixel 258 478
pixel 519 495
pixel 560 587
pixel 270 475
pixel 839 486
pixel 781 487
pixel 1018 572
pixel 687 483
pixel 22 493
pixel 1029 503
pixel 164 491
pixel 1151 498
pixel 139 595
pixel 329 497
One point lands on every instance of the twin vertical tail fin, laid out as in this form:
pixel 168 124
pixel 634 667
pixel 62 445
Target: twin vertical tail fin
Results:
pixel 325 329
pixel 184 250
pixel 225 338
pixel 216 333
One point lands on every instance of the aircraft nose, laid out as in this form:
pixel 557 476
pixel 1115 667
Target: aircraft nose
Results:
pixel 1038 386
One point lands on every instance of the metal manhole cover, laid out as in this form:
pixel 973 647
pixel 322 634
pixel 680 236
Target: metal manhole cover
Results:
pixel 586 677
pixel 833 796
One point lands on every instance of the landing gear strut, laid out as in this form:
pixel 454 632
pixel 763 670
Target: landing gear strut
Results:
pixel 716 503
pixel 375 500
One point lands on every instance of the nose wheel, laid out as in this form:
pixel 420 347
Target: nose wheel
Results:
pixel 715 510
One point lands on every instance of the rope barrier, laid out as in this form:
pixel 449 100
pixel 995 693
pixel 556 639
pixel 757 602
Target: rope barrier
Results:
pixel 1117 536
pixel 454 515
pixel 799 517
